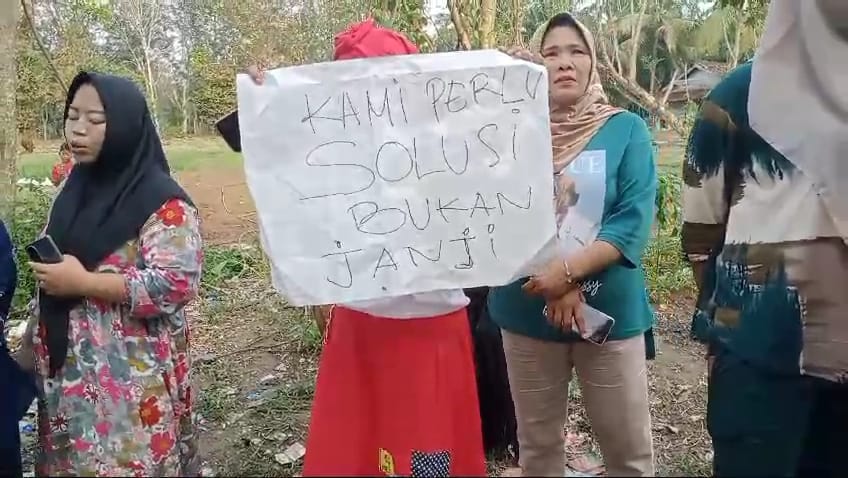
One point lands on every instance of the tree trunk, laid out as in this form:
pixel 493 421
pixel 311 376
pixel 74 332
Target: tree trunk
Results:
pixel 636 92
pixel 8 125
pixel 517 23
pixel 456 18
pixel 633 67
pixel 184 105
pixel 487 23
pixel 737 43
pixel 151 88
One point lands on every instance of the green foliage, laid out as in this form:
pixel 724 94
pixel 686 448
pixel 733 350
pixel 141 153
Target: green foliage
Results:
pixel 406 16
pixel 226 263
pixel 29 216
pixel 668 202
pixel 538 12
pixel 665 270
pixel 213 92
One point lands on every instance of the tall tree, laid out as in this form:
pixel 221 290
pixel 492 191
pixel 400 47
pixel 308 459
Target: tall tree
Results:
pixel 8 129
pixel 139 26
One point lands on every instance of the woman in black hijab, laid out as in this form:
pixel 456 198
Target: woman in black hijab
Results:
pixel 112 339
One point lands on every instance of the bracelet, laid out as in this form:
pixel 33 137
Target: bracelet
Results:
pixel 568 277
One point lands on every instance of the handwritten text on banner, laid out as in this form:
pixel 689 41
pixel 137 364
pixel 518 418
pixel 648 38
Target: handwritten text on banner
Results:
pixel 388 176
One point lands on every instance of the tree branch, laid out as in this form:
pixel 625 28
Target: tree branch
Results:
pixel 643 98
pixel 459 26
pixel 41 47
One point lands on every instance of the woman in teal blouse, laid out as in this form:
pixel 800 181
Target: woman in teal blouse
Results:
pixel 536 315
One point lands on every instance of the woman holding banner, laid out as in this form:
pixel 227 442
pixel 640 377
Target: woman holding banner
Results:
pixel 537 315
pixel 396 391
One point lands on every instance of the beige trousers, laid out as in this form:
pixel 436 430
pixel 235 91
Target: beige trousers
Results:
pixel 614 384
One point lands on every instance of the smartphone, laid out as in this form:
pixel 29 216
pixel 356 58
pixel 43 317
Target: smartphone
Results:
pixel 228 128
pixel 598 325
pixel 44 251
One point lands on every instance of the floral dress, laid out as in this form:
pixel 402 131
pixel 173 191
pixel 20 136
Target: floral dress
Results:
pixel 122 403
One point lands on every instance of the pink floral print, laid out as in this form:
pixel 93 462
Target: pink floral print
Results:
pixel 122 406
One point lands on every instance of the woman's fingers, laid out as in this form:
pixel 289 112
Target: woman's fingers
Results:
pixel 564 318
pixel 256 74
pixel 579 320
pixel 519 52
pixel 530 287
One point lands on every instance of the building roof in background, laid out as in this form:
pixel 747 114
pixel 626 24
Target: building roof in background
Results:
pixel 700 78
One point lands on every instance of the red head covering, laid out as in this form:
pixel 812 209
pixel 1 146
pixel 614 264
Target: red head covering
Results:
pixel 367 39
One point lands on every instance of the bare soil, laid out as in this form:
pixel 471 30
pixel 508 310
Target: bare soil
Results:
pixel 256 359
pixel 225 204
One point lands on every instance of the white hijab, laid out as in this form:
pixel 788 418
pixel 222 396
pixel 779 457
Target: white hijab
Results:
pixel 798 99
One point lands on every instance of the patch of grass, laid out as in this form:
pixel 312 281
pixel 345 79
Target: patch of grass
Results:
pixel 670 159
pixel 183 155
pixel 223 263
pixel 665 270
pixel 302 332
pixel 288 401
pixel 215 403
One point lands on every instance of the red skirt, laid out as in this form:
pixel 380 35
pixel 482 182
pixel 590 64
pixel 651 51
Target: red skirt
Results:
pixel 396 397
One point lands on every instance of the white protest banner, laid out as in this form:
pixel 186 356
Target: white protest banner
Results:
pixel 395 175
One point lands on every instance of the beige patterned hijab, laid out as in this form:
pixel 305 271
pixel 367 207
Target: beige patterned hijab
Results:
pixel 572 127
pixel 799 94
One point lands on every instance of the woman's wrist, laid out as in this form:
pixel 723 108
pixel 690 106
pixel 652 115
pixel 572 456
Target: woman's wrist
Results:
pixel 88 284
pixel 105 286
pixel 566 271
pixel 574 264
pixel 570 280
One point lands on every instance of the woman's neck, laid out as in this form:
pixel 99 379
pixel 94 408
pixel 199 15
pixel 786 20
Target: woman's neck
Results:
pixel 561 112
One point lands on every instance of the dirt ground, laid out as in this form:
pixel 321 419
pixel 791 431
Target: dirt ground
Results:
pixel 256 359
pixel 224 201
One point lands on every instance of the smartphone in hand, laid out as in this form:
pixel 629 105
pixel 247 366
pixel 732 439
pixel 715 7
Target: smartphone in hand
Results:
pixel 598 325
pixel 44 251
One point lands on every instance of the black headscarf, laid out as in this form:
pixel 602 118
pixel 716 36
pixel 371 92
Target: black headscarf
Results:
pixel 104 204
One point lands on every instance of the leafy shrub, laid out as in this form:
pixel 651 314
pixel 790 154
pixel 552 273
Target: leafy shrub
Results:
pixel 668 203
pixel 29 215
pixel 665 270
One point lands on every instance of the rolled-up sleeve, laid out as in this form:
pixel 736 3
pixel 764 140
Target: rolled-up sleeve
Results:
pixel 628 225
pixel 172 255
pixel 704 199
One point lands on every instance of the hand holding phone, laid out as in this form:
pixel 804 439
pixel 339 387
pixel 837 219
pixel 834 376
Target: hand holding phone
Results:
pixel 598 325
pixel 44 251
